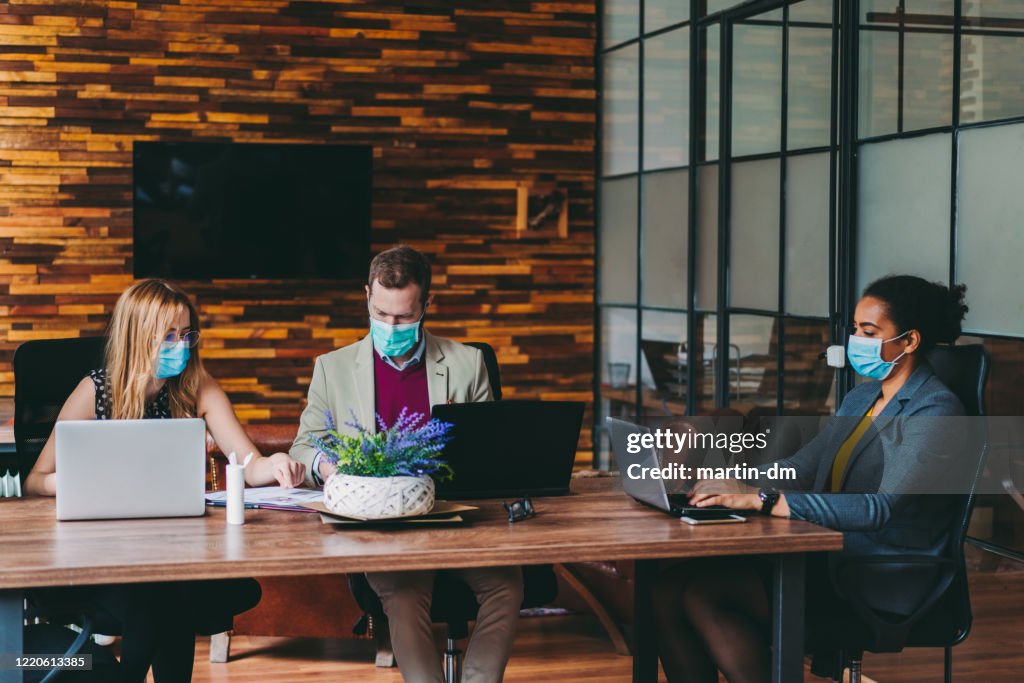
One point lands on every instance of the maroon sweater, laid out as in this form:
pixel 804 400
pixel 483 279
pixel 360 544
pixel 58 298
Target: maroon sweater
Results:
pixel 397 389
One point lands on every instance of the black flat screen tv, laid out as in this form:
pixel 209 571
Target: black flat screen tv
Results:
pixel 239 210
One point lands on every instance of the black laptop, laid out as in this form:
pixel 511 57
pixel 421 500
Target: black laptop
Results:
pixel 510 449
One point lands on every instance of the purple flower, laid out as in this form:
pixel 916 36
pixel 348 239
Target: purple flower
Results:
pixel 409 447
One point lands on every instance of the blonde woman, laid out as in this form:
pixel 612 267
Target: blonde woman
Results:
pixel 152 369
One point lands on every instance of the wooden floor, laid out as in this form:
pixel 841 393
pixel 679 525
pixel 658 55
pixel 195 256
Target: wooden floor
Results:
pixel 560 648
pixel 573 648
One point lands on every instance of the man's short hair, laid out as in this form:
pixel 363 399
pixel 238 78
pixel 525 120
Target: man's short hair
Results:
pixel 399 266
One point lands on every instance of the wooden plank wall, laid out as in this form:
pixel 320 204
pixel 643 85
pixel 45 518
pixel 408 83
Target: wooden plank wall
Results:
pixel 461 101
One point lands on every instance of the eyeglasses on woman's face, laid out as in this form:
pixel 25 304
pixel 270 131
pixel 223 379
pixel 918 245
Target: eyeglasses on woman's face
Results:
pixel 190 337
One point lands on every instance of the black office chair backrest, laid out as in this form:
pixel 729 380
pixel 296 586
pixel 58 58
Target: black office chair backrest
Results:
pixel 491 361
pixel 46 371
pixel 964 369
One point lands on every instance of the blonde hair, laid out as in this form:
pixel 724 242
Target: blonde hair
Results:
pixel 142 316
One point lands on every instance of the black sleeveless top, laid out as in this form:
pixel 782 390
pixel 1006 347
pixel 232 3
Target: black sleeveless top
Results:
pixel 159 409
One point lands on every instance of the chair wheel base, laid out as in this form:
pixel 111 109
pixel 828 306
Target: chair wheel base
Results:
pixel 452 663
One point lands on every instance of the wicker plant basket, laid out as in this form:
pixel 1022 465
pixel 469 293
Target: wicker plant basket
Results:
pixel 378 497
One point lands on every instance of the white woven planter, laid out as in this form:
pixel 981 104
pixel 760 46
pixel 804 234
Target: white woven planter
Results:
pixel 378 497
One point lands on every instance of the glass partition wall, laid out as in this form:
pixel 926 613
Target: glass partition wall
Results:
pixel 760 164
pixel 718 158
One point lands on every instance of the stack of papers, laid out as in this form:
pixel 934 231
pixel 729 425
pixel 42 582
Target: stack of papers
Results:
pixel 272 498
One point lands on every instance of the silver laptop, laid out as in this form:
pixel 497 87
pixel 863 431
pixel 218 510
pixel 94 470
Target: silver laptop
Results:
pixel 119 469
pixel 648 491
pixel 653 492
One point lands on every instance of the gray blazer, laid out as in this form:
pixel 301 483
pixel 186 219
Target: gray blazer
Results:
pixel 893 457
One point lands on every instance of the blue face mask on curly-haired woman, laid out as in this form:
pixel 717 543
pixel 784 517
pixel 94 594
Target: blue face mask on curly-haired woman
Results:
pixel 172 359
pixel 865 354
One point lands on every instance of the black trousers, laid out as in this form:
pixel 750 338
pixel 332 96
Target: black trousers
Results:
pixel 158 622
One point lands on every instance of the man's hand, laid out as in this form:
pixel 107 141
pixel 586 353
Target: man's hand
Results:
pixel 287 472
pixel 326 469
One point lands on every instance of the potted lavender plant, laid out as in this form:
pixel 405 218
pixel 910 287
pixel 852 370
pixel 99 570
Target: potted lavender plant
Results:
pixel 383 474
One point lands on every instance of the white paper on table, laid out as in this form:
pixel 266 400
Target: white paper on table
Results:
pixel 271 495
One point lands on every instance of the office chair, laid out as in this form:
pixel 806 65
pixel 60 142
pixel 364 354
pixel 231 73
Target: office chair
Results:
pixel 454 603
pixel 491 362
pixel 943 618
pixel 46 371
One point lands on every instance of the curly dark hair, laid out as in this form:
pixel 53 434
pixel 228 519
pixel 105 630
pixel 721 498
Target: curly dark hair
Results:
pixel 913 303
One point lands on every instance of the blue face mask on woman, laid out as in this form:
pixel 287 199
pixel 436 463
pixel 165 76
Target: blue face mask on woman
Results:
pixel 172 359
pixel 394 340
pixel 865 355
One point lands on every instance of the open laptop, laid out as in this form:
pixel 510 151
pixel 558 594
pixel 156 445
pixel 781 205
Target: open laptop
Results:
pixel 119 469
pixel 510 449
pixel 650 491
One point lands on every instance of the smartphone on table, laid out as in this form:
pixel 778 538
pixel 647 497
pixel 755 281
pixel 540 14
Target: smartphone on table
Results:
pixel 710 516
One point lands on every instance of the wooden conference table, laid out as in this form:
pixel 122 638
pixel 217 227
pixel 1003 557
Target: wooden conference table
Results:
pixel 595 523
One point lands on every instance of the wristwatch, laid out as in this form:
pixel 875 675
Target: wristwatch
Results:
pixel 318 478
pixel 769 497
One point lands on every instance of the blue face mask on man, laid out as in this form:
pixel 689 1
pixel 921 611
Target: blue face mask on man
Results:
pixel 394 340
pixel 865 356
pixel 172 359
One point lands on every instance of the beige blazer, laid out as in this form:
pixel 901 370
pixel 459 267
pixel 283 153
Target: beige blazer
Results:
pixel 343 383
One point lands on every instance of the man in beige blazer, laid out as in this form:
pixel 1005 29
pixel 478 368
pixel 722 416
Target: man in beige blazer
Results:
pixel 400 365
pixel 343 381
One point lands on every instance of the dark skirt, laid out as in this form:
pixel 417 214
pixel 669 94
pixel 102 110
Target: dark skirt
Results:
pixel 205 607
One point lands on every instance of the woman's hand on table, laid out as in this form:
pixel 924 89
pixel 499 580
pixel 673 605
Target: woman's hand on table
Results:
pixel 288 473
pixel 734 494
pixel 727 492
